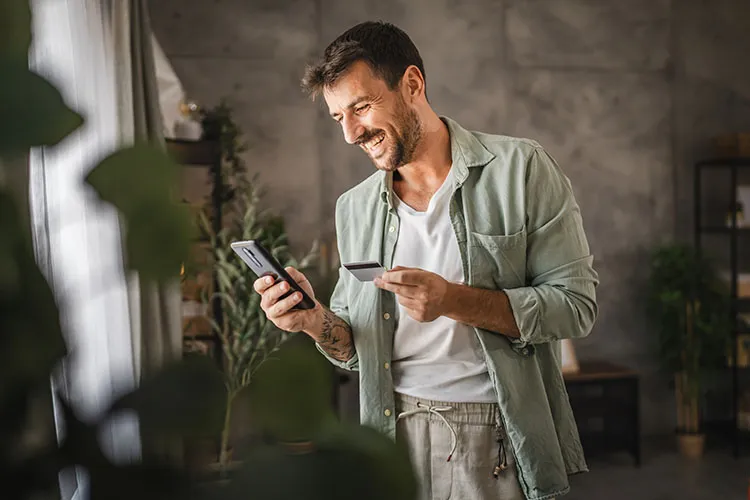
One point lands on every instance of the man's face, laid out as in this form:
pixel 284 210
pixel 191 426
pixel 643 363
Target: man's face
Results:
pixel 375 118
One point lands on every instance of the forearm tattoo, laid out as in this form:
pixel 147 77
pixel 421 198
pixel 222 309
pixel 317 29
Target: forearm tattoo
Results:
pixel 336 337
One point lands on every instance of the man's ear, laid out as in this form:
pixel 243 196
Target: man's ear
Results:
pixel 413 83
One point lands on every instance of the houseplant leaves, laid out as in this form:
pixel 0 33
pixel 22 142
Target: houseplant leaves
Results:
pixel 183 399
pixel 40 117
pixel 31 340
pixel 15 29
pixel 139 181
pixel 332 466
pixel 290 396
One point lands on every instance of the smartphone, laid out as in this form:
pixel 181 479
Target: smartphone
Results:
pixel 264 264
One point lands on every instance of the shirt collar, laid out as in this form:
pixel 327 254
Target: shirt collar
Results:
pixel 466 152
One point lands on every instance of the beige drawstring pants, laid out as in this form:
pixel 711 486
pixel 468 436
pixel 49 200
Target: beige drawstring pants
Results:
pixel 458 450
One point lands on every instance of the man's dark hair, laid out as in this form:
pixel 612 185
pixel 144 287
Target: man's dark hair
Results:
pixel 387 49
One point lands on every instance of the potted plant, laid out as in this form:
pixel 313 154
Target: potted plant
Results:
pixel 688 307
pixel 247 339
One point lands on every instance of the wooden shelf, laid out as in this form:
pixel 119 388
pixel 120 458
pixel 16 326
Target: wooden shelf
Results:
pixel 601 370
pixel 197 330
pixel 198 153
pixel 727 161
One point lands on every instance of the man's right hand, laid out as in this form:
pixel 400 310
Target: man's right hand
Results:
pixel 280 312
pixel 330 332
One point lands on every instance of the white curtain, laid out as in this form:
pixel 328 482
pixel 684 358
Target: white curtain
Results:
pixel 77 239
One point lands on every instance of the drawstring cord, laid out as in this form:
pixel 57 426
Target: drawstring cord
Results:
pixel 435 410
pixel 502 464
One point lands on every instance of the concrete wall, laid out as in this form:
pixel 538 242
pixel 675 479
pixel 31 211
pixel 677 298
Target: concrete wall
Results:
pixel 624 94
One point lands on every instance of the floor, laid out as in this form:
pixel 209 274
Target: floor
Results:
pixel 664 475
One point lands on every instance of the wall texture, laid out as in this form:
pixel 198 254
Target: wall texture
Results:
pixel 625 95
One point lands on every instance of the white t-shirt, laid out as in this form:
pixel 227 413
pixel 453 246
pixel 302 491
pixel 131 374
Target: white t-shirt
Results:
pixel 441 360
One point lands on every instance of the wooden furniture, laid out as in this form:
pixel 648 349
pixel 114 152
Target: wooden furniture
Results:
pixel 204 154
pixel 732 145
pixel 605 402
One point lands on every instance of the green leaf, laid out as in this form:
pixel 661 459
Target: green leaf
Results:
pixel 158 240
pixel 290 394
pixel 679 276
pixel 134 177
pixel 364 461
pixel 35 112
pixel 31 340
pixel 11 241
pixel 139 182
pixel 15 29
pixel 229 303
pixel 214 325
pixel 186 398
pixel 224 280
pixel 388 463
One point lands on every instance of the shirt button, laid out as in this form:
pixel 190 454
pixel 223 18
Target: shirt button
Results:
pixel 386 316
pixel 387 412
pixel 387 365
pixel 391 229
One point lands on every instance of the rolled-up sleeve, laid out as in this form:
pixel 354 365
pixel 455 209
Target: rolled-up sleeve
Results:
pixel 339 301
pixel 559 300
pixel 339 306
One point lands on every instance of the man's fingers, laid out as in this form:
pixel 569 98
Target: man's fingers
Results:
pixel 295 274
pixel 278 290
pixel 272 294
pixel 403 276
pixel 283 306
pixel 408 303
pixel 262 284
pixel 400 290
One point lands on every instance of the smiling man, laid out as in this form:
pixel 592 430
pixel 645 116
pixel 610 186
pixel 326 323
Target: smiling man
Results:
pixel 457 345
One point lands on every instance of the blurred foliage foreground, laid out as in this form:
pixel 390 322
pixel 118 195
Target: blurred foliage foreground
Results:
pixel 306 452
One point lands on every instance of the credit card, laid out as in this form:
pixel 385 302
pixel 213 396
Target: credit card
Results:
pixel 365 271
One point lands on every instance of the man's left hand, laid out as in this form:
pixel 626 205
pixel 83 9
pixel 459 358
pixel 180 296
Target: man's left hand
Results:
pixel 422 293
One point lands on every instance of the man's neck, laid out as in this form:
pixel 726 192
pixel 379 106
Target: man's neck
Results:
pixel 432 160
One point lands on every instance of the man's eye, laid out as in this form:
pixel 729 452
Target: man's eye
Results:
pixel 362 109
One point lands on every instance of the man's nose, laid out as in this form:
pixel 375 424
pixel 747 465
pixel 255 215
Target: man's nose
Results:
pixel 353 130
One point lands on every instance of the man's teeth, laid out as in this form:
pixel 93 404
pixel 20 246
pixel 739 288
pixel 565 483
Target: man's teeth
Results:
pixel 373 143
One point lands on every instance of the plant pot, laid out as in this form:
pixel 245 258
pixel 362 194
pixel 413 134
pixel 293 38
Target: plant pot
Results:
pixel 199 453
pixel 691 445
pixel 226 470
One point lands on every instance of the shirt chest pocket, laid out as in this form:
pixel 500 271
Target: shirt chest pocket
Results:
pixel 498 261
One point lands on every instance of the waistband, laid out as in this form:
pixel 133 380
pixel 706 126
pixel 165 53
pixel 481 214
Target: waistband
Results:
pixel 452 414
pixel 465 413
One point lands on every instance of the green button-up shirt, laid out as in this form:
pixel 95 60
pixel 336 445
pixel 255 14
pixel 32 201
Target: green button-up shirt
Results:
pixel 519 229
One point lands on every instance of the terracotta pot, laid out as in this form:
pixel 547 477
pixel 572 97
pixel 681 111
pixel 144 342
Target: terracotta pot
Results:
pixel 691 445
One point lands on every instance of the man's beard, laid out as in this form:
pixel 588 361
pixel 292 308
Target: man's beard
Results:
pixel 405 137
